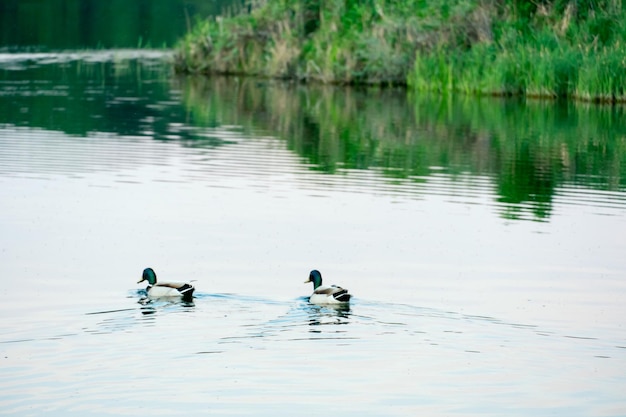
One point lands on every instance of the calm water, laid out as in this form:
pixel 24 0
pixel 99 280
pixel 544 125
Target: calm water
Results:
pixel 483 241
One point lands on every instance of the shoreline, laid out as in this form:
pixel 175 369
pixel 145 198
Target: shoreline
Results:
pixel 543 50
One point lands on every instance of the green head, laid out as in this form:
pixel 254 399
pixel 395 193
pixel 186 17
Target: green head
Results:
pixel 148 275
pixel 315 277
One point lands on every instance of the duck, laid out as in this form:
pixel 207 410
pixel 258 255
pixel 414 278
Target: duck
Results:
pixel 166 289
pixel 326 294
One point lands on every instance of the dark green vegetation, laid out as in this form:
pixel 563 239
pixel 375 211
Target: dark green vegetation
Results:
pixel 80 24
pixel 546 48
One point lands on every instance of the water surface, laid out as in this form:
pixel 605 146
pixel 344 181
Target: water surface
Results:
pixel 482 240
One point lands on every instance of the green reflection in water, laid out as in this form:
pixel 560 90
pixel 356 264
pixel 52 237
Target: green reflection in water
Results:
pixel 124 92
pixel 528 149
pixel 76 96
pixel 527 152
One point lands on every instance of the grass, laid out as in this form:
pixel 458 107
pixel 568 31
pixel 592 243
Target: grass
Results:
pixel 545 48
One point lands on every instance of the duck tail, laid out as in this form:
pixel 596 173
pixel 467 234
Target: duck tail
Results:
pixel 342 296
pixel 187 292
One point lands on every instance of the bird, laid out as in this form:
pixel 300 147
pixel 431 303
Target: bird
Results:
pixel 166 289
pixel 326 294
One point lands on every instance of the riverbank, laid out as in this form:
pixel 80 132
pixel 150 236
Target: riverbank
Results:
pixel 572 49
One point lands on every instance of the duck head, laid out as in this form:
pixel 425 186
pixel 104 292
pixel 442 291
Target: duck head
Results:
pixel 315 277
pixel 148 275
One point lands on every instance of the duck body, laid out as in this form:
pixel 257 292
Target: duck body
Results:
pixel 326 294
pixel 156 289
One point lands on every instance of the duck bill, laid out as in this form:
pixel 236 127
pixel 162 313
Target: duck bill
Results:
pixel 140 281
pixel 307 281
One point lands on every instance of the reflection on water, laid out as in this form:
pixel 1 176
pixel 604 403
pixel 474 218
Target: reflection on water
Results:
pixel 525 156
pixel 525 152
pixel 107 162
pixel 331 314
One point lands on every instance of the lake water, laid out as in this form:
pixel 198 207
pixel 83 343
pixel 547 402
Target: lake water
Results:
pixel 483 241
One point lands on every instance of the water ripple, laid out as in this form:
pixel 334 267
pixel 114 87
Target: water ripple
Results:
pixel 228 158
pixel 223 338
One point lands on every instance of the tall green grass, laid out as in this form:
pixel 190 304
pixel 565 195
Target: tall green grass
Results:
pixel 546 48
pixel 334 41
pixel 561 49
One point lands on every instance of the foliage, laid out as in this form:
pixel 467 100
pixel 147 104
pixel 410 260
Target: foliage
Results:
pixel 543 49
pixel 331 41
pixel 547 48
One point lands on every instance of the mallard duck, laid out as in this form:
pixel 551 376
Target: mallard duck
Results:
pixel 165 289
pixel 325 294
